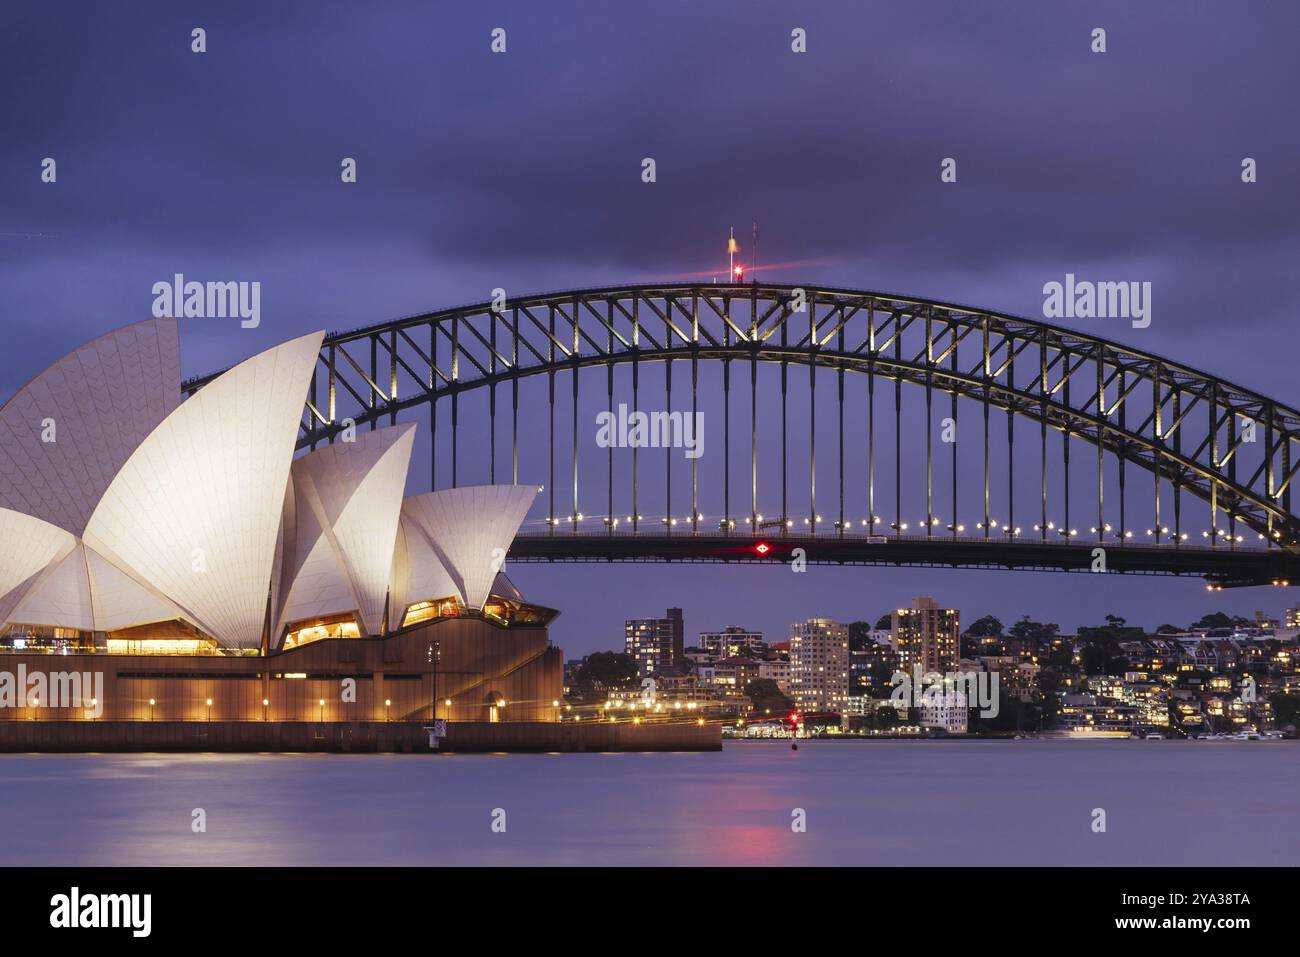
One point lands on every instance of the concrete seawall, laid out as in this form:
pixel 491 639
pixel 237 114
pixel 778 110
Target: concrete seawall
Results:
pixel 351 736
pixel 594 736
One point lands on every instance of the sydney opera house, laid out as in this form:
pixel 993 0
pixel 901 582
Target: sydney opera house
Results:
pixel 180 548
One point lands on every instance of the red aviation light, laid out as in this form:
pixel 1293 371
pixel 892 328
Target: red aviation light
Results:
pixel 740 273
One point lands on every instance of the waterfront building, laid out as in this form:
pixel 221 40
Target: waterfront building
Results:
pixel 656 644
pixel 947 712
pixel 926 635
pixel 675 696
pixel 819 665
pixel 177 550
pixel 1084 715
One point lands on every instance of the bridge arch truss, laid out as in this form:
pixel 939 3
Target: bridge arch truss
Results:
pixel 1162 432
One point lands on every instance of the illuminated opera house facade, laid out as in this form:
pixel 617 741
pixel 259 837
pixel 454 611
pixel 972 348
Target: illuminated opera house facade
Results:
pixel 178 547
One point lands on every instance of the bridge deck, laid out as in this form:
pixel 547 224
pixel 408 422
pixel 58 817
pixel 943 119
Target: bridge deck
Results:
pixel 1222 567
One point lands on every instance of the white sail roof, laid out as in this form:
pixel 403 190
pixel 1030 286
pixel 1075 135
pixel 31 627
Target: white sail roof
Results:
pixel 60 597
pixel 341 527
pixel 418 573
pixel 469 529
pixel 195 510
pixel 67 432
pixel 145 509
pixel 87 592
pixel 28 546
pixel 121 601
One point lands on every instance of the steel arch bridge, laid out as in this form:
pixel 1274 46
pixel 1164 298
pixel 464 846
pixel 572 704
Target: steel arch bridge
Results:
pixel 1189 439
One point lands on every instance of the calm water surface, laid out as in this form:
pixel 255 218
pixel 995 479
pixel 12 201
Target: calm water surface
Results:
pixel 868 803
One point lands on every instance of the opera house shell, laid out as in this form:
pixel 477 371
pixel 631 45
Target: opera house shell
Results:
pixel 140 524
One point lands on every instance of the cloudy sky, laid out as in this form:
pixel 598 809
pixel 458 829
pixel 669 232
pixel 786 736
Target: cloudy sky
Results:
pixel 522 170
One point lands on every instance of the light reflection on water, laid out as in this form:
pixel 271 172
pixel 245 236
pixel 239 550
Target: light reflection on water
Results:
pixel 869 803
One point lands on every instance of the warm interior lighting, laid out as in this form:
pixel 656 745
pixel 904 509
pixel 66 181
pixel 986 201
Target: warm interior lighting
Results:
pixel 305 632
pixel 161 638
pixel 429 610
pixel 509 611
pixel 161 646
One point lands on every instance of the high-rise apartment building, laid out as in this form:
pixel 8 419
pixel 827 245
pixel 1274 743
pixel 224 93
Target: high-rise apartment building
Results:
pixel 819 665
pixel 656 644
pixel 927 635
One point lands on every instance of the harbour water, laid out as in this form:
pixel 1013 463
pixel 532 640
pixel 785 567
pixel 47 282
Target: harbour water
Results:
pixel 865 803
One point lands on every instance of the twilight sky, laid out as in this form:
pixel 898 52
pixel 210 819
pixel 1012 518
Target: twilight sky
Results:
pixel 522 170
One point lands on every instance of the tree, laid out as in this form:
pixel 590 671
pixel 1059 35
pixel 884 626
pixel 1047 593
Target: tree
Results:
pixel 859 632
pixel 1286 709
pixel 885 622
pixel 1034 632
pixel 986 627
pixel 984 633
pixel 1102 654
pixel 602 672
pixel 1013 715
pixel 1218 619
pixel 766 695
pixel 885 717
pixel 1168 630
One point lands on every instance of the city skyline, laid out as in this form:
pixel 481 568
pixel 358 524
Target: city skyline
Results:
pixel 698 618
pixel 781 632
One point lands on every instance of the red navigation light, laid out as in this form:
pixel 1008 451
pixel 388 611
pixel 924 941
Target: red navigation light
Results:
pixel 762 548
pixel 740 272
pixel 794 718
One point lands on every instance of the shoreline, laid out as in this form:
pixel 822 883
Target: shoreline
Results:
pixel 352 737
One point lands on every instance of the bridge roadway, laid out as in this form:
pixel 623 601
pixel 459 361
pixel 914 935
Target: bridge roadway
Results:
pixel 1222 567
